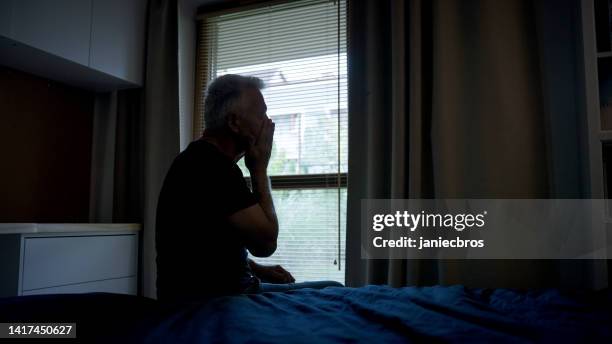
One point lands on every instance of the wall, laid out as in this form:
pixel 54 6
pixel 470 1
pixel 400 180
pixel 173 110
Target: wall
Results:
pixel 187 12
pixel 45 149
pixel 186 59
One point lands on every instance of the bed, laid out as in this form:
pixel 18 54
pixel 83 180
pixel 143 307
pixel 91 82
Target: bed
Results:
pixel 332 315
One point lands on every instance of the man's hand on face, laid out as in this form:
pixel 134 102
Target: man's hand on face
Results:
pixel 258 154
pixel 274 274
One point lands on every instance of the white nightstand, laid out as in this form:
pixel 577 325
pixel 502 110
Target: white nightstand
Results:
pixel 68 258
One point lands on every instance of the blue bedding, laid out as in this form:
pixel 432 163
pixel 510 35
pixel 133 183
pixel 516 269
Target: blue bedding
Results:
pixel 368 314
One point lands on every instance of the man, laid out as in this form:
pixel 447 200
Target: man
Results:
pixel 207 217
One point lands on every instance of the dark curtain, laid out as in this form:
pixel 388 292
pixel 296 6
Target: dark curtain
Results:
pixel 136 137
pixel 463 99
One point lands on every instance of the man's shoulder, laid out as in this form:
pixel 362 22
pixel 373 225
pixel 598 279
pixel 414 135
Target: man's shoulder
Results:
pixel 201 155
pixel 203 162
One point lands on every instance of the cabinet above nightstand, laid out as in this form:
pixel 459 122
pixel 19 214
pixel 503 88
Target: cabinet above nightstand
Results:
pixel 93 44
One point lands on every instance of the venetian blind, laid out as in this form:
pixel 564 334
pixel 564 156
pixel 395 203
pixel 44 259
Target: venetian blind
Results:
pixel 298 49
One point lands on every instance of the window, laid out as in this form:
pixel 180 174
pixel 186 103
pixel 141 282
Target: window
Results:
pixel 299 50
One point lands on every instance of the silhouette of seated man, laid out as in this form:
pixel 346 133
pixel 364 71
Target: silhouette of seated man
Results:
pixel 207 217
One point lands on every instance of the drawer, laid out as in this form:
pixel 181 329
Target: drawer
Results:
pixel 58 261
pixel 119 286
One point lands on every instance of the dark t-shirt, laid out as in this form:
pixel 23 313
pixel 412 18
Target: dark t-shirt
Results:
pixel 198 252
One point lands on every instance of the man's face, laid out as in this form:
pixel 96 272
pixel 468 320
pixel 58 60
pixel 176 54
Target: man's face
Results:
pixel 252 113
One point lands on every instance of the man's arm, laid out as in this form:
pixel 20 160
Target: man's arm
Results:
pixel 258 223
pixel 262 191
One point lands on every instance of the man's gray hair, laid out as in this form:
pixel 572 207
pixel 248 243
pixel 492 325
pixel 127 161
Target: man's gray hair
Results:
pixel 223 94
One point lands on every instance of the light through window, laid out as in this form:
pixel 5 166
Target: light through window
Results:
pixel 299 50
